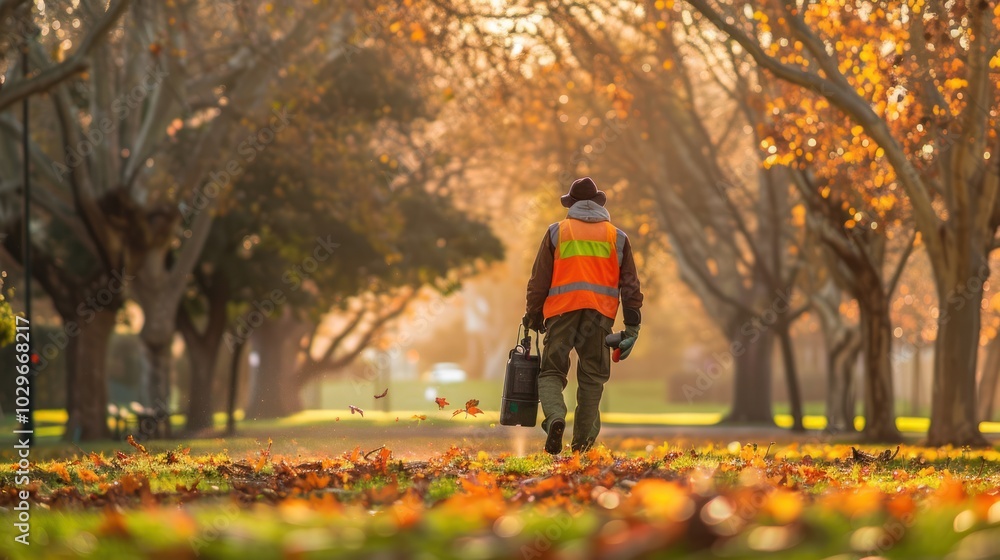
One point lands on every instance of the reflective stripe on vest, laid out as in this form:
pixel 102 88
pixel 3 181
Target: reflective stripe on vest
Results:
pixel 586 267
pixel 566 288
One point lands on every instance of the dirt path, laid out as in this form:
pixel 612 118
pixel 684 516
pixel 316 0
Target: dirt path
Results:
pixel 419 442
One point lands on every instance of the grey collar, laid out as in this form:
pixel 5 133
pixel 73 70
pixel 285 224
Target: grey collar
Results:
pixel 589 211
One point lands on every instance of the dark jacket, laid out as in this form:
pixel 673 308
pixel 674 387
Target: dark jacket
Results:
pixel 541 272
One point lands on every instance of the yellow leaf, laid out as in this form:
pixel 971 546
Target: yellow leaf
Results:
pixel 418 35
pixel 783 505
pixel 956 83
pixel 661 499
pixel 799 215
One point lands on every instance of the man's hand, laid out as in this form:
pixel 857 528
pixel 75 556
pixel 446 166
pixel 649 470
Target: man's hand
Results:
pixel 535 323
pixel 628 342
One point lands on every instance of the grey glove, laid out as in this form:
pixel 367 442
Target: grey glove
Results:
pixel 628 341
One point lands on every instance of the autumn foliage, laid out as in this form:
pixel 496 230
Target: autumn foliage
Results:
pixel 725 499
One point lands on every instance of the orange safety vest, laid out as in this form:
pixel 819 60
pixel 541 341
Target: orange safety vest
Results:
pixel 585 269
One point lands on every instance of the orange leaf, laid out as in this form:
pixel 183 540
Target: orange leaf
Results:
pixel 113 524
pixel 87 475
pixel 136 444
pixel 441 402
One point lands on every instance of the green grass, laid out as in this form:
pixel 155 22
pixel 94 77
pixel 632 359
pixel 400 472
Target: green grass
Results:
pixel 471 504
pixel 442 488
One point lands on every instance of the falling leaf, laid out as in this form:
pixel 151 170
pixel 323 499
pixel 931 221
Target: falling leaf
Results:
pixel 441 402
pixel 471 407
pixel 265 454
pixel 382 394
pixel 131 441
pixel 355 409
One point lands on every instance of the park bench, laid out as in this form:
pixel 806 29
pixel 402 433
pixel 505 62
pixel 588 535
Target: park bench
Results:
pixel 137 419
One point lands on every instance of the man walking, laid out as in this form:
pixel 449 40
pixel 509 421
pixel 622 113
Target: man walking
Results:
pixel 582 268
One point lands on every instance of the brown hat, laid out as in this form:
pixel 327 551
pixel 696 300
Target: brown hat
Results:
pixel 583 189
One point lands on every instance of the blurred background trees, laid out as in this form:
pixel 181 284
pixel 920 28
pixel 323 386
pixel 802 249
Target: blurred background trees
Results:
pixel 277 189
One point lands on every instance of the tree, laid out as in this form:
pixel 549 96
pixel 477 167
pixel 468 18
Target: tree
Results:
pixel 843 344
pixel 857 251
pixel 17 29
pixel 142 136
pixel 365 180
pixel 81 289
pixel 936 135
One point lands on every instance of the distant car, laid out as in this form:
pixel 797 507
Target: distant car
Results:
pixel 447 372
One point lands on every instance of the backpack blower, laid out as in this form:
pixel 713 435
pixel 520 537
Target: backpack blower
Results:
pixel 519 403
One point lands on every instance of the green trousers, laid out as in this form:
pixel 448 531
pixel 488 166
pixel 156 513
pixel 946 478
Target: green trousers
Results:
pixel 584 331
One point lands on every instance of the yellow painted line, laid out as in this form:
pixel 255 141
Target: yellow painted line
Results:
pixel 664 418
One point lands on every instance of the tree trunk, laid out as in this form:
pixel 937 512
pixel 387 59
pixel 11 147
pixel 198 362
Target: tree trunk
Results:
pixel 751 375
pixel 989 379
pixel 840 363
pixel 157 334
pixel 791 376
pixel 87 399
pixel 234 375
pixel 203 353
pixel 201 405
pixel 876 336
pixel 160 361
pixel 274 391
pixel 954 418
pixel 915 387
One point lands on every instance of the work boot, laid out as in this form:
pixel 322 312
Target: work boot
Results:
pixel 553 443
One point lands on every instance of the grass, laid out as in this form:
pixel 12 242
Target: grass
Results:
pixel 646 498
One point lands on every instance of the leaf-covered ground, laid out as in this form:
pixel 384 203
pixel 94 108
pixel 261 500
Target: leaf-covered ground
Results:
pixel 640 500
